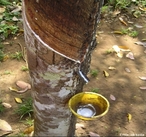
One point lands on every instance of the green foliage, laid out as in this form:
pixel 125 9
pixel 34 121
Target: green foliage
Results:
pixel 1 46
pixel 104 9
pixel 94 73
pixel 130 32
pixel 5 2
pixel 137 13
pixel 1 52
pixel 28 122
pixel 1 107
pixel 124 31
pixel 7 72
pixel 133 33
pixel 9 2
pixel 119 4
pixel 24 68
pixel 8 15
pixel 6 30
pixel 109 51
pixel 1 55
pixel 21 134
pixel 95 90
pixel 25 109
pixel 8 26
pixel 17 55
pixel 124 4
pixel 141 3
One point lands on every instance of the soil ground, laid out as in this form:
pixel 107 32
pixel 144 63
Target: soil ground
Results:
pixel 120 83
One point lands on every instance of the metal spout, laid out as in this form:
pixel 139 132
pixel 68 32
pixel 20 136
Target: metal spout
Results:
pixel 84 77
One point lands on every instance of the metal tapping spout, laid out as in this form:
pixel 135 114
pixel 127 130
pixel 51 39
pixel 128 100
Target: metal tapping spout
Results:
pixel 82 75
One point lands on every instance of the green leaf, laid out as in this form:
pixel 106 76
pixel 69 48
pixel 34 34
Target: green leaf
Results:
pixel 5 2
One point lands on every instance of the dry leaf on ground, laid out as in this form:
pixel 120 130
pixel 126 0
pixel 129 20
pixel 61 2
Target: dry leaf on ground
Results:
pixel 127 70
pixel 15 18
pixel 138 26
pixel 78 125
pixel 116 48
pixel 124 48
pixel 18 100
pixel 122 21
pixel 129 116
pixel 23 91
pixel 19 91
pixel 141 43
pixel 92 134
pixel 13 89
pixel 6 105
pixel 17 9
pixel 120 54
pixel 2 9
pixel 29 130
pixel 111 68
pixel 23 85
pixel 115 13
pixel 5 126
pixel 143 88
pixel 130 55
pixel 118 32
pixel 142 9
pixel 144 39
pixel 142 78
pixel 120 48
pixel 105 74
pixel 112 97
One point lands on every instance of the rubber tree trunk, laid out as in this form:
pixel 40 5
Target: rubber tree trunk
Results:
pixel 59 35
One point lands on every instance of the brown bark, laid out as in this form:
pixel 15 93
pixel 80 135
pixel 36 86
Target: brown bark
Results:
pixel 60 35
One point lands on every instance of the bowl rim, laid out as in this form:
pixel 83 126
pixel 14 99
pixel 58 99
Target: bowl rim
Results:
pixel 93 117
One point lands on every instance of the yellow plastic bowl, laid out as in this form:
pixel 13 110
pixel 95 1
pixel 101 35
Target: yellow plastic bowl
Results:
pixel 85 98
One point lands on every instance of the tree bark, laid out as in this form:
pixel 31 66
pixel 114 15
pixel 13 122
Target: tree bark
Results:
pixel 60 36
